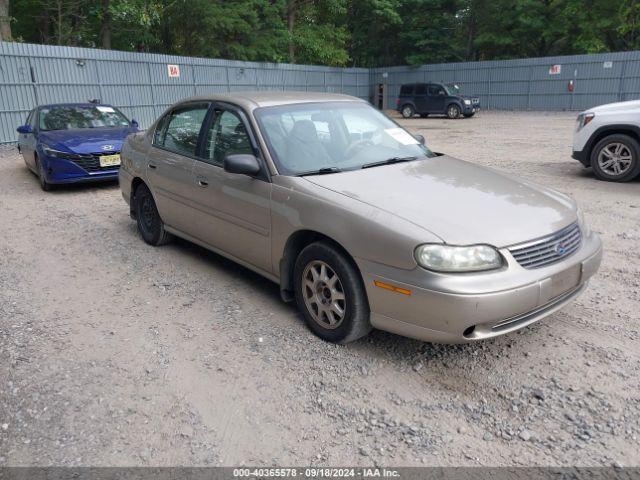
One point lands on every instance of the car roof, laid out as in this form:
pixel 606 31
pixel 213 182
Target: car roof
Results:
pixel 85 104
pixel 252 100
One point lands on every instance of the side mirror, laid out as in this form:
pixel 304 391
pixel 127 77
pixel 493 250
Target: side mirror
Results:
pixel 420 138
pixel 242 164
pixel 25 129
pixel 134 123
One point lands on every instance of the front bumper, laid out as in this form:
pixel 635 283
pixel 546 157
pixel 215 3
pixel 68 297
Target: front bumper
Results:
pixel 581 156
pixel 60 171
pixel 470 307
pixel 470 109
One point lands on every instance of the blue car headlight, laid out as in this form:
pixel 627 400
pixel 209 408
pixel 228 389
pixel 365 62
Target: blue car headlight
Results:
pixel 52 152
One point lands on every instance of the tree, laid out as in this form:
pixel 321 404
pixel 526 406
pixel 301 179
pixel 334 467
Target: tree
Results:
pixel 5 21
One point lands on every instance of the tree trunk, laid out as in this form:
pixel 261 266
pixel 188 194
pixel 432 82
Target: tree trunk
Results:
pixel 5 22
pixel 105 27
pixel 291 23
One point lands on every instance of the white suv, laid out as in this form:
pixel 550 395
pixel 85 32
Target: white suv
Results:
pixel 607 138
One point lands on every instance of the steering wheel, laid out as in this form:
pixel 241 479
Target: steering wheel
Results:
pixel 357 147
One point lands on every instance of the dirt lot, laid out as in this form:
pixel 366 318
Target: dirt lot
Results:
pixel 116 353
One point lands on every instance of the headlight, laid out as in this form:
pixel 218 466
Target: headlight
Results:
pixel 52 152
pixel 467 102
pixel 583 120
pixel 448 258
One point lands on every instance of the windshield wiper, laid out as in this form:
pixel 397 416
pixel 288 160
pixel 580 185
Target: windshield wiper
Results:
pixel 321 171
pixel 389 161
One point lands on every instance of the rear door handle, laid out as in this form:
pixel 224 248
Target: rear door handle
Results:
pixel 203 182
pixel 151 165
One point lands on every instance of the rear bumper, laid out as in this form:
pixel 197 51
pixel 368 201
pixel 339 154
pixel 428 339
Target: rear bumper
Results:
pixel 460 317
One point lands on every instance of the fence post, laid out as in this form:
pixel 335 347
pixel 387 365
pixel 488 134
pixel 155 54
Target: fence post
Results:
pixel 621 80
pixel 529 87
pixel 153 94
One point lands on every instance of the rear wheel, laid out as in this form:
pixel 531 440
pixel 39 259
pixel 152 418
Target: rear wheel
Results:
pixel 44 185
pixel 616 158
pixel 150 225
pixel 408 111
pixel 453 111
pixel 330 294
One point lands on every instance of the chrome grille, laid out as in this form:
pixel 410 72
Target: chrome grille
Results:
pixel 548 250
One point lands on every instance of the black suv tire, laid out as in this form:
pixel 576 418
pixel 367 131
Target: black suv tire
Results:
pixel 628 147
pixel 408 111
pixel 453 111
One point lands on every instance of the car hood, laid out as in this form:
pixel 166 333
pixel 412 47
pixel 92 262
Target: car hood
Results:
pixel 460 202
pixel 86 140
pixel 616 107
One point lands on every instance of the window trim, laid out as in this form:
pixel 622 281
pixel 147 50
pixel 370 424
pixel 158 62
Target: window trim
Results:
pixel 183 106
pixel 264 173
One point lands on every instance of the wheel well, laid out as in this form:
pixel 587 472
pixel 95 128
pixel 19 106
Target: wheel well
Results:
pixel 593 141
pixel 295 244
pixel 135 183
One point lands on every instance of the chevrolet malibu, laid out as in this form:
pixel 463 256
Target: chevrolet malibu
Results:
pixel 358 221
pixel 73 142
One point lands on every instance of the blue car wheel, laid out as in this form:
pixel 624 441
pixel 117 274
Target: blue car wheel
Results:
pixel 46 186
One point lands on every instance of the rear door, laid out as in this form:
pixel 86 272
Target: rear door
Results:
pixel 420 98
pixel 171 160
pixel 232 211
pixel 435 98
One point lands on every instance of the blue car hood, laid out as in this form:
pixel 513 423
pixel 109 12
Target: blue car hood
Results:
pixel 86 140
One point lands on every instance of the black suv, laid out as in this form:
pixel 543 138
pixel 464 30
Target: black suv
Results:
pixel 435 98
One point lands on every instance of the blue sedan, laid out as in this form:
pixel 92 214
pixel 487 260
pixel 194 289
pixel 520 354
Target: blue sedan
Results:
pixel 75 142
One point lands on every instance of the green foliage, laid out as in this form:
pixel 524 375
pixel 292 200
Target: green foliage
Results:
pixel 335 32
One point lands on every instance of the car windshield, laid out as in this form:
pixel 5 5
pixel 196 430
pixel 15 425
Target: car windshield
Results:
pixel 453 89
pixel 67 117
pixel 334 136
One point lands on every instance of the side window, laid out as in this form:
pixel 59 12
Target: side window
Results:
pixel 433 90
pixel 406 89
pixel 227 136
pixel 178 131
pixel 421 89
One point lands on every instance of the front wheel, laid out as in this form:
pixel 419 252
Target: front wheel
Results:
pixel 44 185
pixel 408 111
pixel 330 294
pixel 453 111
pixel 150 225
pixel 616 158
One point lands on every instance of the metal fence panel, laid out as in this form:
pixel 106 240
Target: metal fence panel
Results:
pixel 140 85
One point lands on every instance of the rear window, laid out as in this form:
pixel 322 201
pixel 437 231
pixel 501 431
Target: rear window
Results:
pixel 406 89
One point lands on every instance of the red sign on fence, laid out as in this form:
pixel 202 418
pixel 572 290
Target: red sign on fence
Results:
pixel 555 69
pixel 174 70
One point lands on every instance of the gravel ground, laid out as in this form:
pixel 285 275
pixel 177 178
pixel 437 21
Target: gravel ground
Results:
pixel 116 353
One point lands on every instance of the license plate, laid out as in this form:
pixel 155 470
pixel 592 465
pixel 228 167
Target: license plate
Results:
pixel 109 160
pixel 565 281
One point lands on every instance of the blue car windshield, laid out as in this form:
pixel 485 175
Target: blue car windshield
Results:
pixel 69 117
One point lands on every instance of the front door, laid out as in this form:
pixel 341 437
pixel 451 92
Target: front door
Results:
pixel 435 99
pixel 171 161
pixel 233 211
pixel 27 141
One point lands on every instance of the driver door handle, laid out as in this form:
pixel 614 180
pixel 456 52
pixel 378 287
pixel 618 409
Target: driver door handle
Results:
pixel 203 182
pixel 151 165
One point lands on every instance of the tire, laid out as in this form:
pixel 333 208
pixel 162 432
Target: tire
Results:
pixel 408 111
pixel 453 111
pixel 150 225
pixel 616 158
pixel 315 270
pixel 44 185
